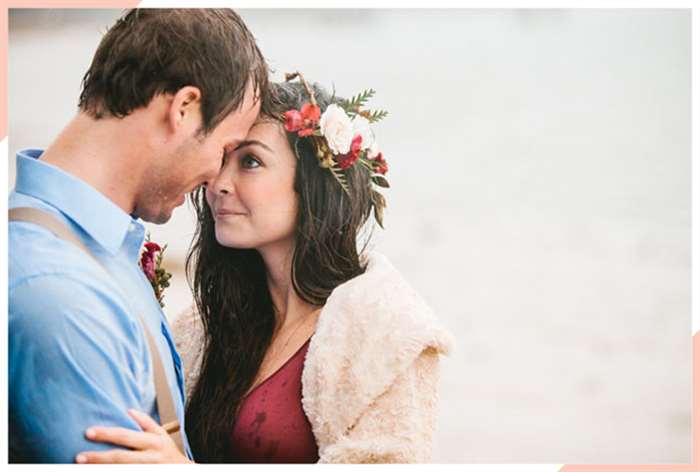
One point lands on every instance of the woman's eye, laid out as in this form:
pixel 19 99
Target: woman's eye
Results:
pixel 249 162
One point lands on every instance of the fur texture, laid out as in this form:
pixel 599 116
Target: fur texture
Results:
pixel 369 384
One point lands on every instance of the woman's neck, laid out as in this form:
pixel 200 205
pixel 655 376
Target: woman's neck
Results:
pixel 289 307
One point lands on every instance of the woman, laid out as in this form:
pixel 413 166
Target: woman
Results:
pixel 302 348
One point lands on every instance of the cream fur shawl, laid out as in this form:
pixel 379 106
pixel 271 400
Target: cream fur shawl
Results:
pixel 370 377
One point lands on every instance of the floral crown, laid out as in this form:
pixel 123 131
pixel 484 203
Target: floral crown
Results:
pixel 341 137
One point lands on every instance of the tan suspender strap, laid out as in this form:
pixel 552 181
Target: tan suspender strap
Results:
pixel 164 401
pixel 50 222
pixel 166 408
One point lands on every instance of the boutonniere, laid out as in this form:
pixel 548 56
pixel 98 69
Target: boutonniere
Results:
pixel 152 266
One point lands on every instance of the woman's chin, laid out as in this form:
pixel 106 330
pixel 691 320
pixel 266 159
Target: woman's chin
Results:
pixel 232 242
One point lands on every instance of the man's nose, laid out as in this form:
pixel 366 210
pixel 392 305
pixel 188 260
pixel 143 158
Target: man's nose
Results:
pixel 220 184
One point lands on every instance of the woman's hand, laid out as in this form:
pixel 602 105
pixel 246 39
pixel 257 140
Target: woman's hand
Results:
pixel 152 446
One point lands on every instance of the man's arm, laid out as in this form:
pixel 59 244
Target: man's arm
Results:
pixel 76 359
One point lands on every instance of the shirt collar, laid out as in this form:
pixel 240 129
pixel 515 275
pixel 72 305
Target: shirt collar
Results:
pixel 96 214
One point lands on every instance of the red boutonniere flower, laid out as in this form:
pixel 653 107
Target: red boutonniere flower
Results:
pixel 151 264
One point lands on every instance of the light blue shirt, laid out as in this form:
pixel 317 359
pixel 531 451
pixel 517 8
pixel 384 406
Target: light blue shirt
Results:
pixel 78 356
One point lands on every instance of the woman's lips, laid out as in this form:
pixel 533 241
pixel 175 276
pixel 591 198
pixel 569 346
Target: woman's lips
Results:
pixel 225 213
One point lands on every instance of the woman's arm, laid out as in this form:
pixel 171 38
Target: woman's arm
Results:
pixel 152 446
pixel 398 426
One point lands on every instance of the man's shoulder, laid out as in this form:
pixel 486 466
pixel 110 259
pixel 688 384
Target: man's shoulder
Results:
pixel 55 286
pixel 52 282
pixel 49 301
pixel 34 251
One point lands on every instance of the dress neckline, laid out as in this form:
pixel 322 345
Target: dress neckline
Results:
pixel 279 369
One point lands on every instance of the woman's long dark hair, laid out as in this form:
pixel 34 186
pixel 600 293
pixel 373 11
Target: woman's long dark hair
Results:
pixel 230 285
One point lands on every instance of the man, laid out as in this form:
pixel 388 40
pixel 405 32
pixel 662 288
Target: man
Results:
pixel 168 93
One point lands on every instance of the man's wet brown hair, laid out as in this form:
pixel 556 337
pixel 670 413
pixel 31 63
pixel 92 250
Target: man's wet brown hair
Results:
pixel 149 52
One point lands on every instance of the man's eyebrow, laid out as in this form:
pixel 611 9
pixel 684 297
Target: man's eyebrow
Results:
pixel 253 142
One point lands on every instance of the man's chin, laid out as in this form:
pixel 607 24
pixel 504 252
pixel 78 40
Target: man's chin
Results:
pixel 163 218
pixel 158 218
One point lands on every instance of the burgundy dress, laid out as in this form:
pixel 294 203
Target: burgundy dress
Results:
pixel 271 425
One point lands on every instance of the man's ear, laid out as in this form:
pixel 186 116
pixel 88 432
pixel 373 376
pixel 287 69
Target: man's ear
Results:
pixel 185 113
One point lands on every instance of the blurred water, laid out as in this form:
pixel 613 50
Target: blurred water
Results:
pixel 540 201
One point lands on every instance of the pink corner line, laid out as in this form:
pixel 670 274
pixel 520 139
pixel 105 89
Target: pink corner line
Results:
pixel 694 466
pixel 4 30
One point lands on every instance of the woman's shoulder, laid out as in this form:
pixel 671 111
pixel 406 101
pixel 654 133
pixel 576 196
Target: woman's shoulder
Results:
pixel 371 331
pixel 188 336
pixel 186 325
pixel 380 303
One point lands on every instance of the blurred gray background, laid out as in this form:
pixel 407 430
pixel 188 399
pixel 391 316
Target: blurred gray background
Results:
pixel 540 201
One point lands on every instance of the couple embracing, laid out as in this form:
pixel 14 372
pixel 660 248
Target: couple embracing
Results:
pixel 301 346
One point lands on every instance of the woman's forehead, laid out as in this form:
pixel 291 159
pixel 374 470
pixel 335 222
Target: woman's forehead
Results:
pixel 266 127
pixel 272 135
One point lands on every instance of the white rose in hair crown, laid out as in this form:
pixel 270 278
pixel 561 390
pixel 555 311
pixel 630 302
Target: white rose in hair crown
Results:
pixel 336 127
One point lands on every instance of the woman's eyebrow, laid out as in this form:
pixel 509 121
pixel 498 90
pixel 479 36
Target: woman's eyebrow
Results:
pixel 251 142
